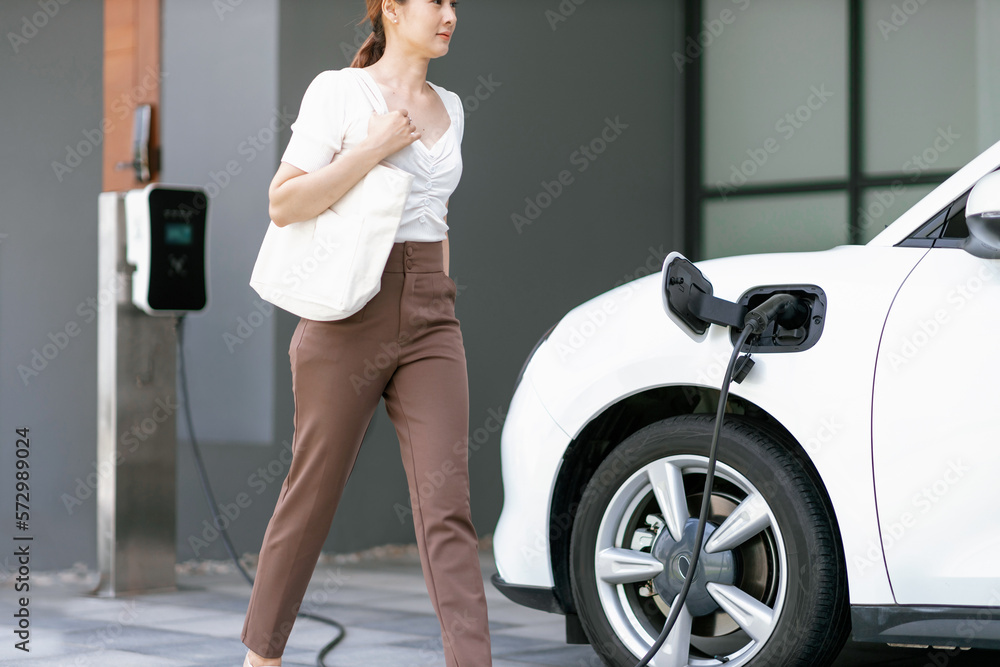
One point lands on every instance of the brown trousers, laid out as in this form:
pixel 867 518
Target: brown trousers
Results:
pixel 405 345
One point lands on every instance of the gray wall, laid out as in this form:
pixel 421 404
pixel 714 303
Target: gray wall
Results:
pixel 220 111
pixel 52 98
pixel 225 79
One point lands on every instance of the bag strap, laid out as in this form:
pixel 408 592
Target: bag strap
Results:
pixel 374 96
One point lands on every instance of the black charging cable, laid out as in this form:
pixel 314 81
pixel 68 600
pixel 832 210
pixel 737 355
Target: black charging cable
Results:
pixel 755 323
pixel 200 465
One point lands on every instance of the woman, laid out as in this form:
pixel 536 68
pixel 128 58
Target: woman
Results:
pixel 405 345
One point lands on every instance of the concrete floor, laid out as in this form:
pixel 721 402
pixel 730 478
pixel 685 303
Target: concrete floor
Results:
pixel 379 596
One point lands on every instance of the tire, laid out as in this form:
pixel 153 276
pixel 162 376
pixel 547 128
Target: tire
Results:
pixel 775 592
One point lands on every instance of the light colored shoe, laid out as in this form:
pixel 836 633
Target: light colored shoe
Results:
pixel 246 661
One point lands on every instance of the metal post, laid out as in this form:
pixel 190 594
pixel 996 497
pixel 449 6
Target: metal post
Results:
pixel 136 426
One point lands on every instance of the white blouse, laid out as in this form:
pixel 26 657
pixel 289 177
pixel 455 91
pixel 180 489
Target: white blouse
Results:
pixel 334 116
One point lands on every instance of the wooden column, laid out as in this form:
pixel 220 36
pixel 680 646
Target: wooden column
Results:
pixel 131 78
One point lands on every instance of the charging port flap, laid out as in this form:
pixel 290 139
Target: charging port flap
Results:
pixel 688 300
pixel 683 283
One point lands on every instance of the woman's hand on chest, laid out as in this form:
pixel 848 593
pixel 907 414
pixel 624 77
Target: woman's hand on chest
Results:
pixel 390 132
pixel 428 113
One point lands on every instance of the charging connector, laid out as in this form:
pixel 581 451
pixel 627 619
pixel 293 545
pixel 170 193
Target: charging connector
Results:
pixel 778 307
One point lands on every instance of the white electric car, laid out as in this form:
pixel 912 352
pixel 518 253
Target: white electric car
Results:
pixel 854 489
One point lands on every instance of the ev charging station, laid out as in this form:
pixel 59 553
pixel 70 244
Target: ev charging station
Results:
pixel 151 253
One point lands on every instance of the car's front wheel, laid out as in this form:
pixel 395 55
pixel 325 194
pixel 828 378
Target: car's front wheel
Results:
pixel 770 587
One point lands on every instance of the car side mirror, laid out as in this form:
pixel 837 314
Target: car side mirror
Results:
pixel 982 215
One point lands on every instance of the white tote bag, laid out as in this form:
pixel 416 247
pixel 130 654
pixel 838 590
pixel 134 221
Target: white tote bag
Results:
pixel 329 267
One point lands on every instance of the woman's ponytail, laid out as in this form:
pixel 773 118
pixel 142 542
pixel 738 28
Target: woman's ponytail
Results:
pixel 374 46
pixel 372 49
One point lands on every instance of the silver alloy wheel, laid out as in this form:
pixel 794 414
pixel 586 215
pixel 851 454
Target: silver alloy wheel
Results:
pixel 652 505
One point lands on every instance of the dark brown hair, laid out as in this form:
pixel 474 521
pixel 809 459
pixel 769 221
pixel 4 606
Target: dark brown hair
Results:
pixel 374 46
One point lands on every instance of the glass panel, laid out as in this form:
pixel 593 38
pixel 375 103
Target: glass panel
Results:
pixel 988 78
pixel 956 227
pixel 920 85
pixel 779 223
pixel 881 206
pixel 775 96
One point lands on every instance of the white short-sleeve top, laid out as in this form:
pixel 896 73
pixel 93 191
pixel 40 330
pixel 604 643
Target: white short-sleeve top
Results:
pixel 334 116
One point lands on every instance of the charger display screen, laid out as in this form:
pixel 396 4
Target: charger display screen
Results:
pixel 177 220
pixel 177 233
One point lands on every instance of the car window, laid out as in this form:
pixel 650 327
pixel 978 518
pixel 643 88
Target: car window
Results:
pixel 954 226
pixel 947 229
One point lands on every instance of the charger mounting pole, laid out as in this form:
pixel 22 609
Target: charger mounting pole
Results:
pixel 136 426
